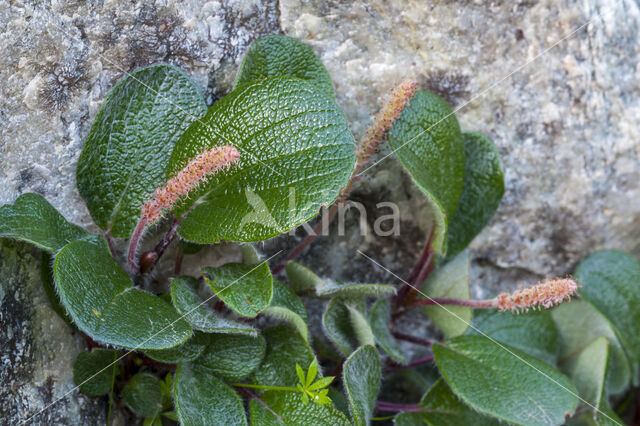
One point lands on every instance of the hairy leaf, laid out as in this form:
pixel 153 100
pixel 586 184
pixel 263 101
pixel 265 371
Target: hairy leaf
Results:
pixel 481 192
pixel 202 399
pixel 285 349
pixel 588 370
pixel 450 281
pixel 361 379
pixel 278 55
pixel 444 408
pixel 380 319
pixel 338 326
pixel 361 327
pixel 302 279
pixel 93 371
pixel 46 275
pixel 296 153
pixel 192 308
pixel 232 357
pixel 611 283
pixel 426 139
pixel 103 303
pixel 534 333
pixel 286 306
pixel 288 408
pixel 578 325
pixel 246 289
pixel 32 219
pixel 125 156
pixel 143 394
pixel 524 390
pixel 188 351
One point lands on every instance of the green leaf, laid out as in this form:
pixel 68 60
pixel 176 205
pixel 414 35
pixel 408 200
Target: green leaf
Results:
pixel 143 394
pixel 289 408
pixel 125 156
pixel 250 255
pixel 450 281
pixel 579 325
pixel 481 192
pixel 321 383
pixel 296 153
pixel 444 408
pixel 588 370
pixel 286 306
pixel 379 319
pixel 188 351
pixel 203 399
pixel 284 350
pixel 245 289
pixel 192 308
pixel 534 333
pixel 337 325
pixel 278 55
pixel 610 281
pixel 46 275
pixel 361 327
pixel 93 371
pixel 103 303
pixel 426 139
pixel 300 373
pixel 232 357
pixel 32 219
pixel 505 382
pixel 303 280
pixel 361 379
pixel 312 372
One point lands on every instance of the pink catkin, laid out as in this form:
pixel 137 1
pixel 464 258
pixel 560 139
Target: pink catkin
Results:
pixel 545 294
pixel 384 119
pixel 197 170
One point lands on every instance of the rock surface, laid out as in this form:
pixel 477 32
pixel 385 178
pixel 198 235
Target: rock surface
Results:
pixel 565 123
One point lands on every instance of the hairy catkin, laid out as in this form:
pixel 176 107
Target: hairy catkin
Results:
pixel 545 294
pixel 182 183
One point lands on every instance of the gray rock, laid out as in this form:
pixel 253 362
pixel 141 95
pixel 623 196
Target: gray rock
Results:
pixel 59 61
pixel 565 124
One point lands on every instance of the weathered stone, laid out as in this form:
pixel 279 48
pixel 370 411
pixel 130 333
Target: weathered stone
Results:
pixel 565 124
pixel 58 62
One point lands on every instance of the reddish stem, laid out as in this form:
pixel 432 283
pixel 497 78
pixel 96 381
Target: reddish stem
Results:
pixel 178 266
pixel 412 339
pixel 394 407
pixel 133 244
pixel 427 268
pixel 425 256
pixel 414 363
pixel 317 230
pixel 479 304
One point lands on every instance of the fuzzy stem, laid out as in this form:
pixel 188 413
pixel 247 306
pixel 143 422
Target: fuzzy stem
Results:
pixel 412 339
pixel 394 407
pixel 414 363
pixel 282 388
pixel 478 304
pixel 425 257
pixel 317 230
pixel 133 243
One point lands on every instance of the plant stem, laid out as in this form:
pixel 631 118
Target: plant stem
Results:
pixel 317 230
pixel 413 363
pixel 478 304
pixel 282 388
pixel 412 339
pixel 394 407
pixel 133 244
pixel 178 266
pixel 425 256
